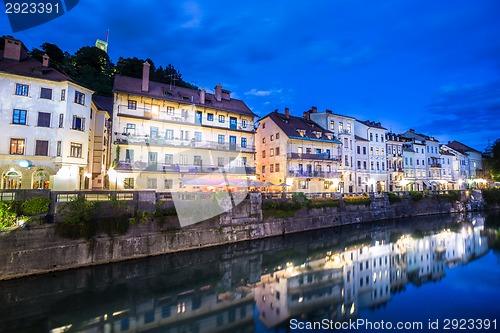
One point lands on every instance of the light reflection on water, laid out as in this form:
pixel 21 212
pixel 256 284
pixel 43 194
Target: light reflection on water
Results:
pixel 413 270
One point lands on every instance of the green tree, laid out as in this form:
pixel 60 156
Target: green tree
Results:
pixel 495 161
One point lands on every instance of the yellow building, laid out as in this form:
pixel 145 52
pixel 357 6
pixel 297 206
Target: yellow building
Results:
pixel 299 153
pixel 175 138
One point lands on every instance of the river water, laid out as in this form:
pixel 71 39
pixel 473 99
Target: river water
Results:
pixel 432 274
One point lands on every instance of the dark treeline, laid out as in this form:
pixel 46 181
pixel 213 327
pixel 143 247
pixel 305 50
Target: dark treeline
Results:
pixel 93 68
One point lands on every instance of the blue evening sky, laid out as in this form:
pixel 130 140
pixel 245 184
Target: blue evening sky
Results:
pixel 429 65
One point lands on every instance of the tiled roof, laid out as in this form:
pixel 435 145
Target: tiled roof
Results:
pixel 31 68
pixel 104 104
pixel 463 148
pixel 293 126
pixel 359 138
pixel 418 136
pixel 131 85
pixel 371 124
pixel 446 153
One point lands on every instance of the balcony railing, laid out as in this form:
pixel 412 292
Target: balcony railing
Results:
pixel 314 174
pixel 435 165
pixel 309 156
pixel 176 168
pixel 161 142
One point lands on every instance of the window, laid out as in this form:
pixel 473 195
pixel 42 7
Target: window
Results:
pixel 263 154
pixel 61 120
pixel 197 136
pixel 170 110
pixel 332 124
pixel 359 164
pixel 303 184
pixel 210 116
pixel 364 150
pixel 169 134
pixel 277 151
pixel 220 161
pixel 76 150
pixel 17 146
pixel 221 139
pixel 272 137
pixel 43 119
pixel 243 142
pixel 132 105
pixel 277 167
pixel 41 148
pixel 371 136
pixel 128 183
pixel 79 124
pixel 341 126
pixel 129 155
pixel 197 160
pixel 271 152
pixel 152 183
pixel 169 184
pixel 46 93
pixel 79 98
pixel 19 117
pixel 376 137
pixel 153 132
pixel 364 165
pixel 22 89
pixel 271 168
pixel 263 140
pixel 58 148
pixel 358 150
pixel 222 119
pixel 63 94
pixel 349 128
pixel 263 169
pixel 169 159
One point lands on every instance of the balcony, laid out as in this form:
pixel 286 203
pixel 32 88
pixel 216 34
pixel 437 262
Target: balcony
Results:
pixel 314 174
pixel 176 168
pixel 163 142
pixel 435 165
pixel 344 132
pixel 308 156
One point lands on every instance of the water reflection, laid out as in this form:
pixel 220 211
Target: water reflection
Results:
pixel 328 274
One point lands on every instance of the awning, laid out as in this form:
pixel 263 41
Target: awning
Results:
pixel 434 183
pixel 427 184
pixel 215 182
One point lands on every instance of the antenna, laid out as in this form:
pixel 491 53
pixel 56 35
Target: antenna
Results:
pixel 173 77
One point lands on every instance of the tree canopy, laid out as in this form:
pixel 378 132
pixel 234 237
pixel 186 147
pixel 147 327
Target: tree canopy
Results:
pixel 495 161
pixel 93 68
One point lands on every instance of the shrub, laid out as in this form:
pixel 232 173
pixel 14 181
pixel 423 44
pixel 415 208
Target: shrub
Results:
pixel 492 196
pixel 269 205
pixel 36 206
pixel 8 215
pixel 320 203
pixel 393 197
pixel 416 196
pixel 363 200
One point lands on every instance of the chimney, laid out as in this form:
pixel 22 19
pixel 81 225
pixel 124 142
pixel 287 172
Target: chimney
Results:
pixel 202 95
pixel 329 111
pixel 145 76
pixel 46 60
pixel 287 113
pixel 412 130
pixel 14 49
pixel 226 94
pixel 218 92
pixel 314 109
pixel 307 115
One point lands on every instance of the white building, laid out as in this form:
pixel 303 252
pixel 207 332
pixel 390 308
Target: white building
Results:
pixel 343 127
pixel 375 134
pixel 45 120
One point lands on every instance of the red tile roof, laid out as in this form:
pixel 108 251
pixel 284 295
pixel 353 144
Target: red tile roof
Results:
pixel 131 85
pixel 103 104
pixel 460 147
pixel 31 68
pixel 292 125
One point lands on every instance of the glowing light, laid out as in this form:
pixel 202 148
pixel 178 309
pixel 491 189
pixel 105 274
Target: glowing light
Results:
pixel 301 299
pixel 352 309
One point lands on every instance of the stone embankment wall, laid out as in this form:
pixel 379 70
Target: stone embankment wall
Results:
pixel 38 249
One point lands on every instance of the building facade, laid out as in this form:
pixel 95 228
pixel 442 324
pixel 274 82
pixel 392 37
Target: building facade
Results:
pixel 44 128
pixel 173 138
pixel 298 154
